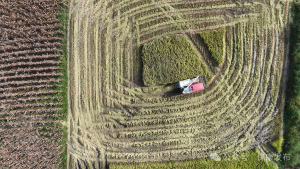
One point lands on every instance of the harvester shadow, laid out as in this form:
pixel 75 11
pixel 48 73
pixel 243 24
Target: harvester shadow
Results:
pixel 174 92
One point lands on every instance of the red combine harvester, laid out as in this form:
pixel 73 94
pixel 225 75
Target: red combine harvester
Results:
pixel 191 85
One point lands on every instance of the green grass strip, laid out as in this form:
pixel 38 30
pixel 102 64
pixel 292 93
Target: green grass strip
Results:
pixel 63 86
pixel 250 159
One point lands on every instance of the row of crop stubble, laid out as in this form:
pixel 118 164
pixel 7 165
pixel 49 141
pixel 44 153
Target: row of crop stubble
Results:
pixel 33 94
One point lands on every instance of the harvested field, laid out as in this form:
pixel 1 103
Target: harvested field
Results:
pixel 31 84
pixel 115 119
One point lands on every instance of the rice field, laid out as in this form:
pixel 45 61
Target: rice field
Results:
pixel 115 119
pixel 169 60
pixel 214 40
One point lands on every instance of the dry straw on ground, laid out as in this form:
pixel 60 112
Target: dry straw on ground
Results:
pixel 235 113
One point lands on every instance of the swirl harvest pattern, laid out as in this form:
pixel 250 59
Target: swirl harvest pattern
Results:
pixel 113 118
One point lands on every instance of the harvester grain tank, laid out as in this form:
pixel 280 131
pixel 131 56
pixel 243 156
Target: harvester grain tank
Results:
pixel 191 85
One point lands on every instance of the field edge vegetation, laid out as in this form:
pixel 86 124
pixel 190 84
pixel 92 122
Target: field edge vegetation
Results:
pixel 63 85
pixel 291 119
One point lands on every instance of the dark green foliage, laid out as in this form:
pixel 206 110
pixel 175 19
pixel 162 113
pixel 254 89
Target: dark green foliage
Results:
pixel 292 108
pixel 171 59
pixel 214 42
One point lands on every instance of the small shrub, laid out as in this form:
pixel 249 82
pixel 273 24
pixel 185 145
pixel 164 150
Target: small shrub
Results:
pixel 277 144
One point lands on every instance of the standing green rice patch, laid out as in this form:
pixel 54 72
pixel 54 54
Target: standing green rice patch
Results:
pixel 171 59
pixel 215 43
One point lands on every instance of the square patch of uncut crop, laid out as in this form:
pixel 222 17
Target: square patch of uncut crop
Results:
pixel 171 59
